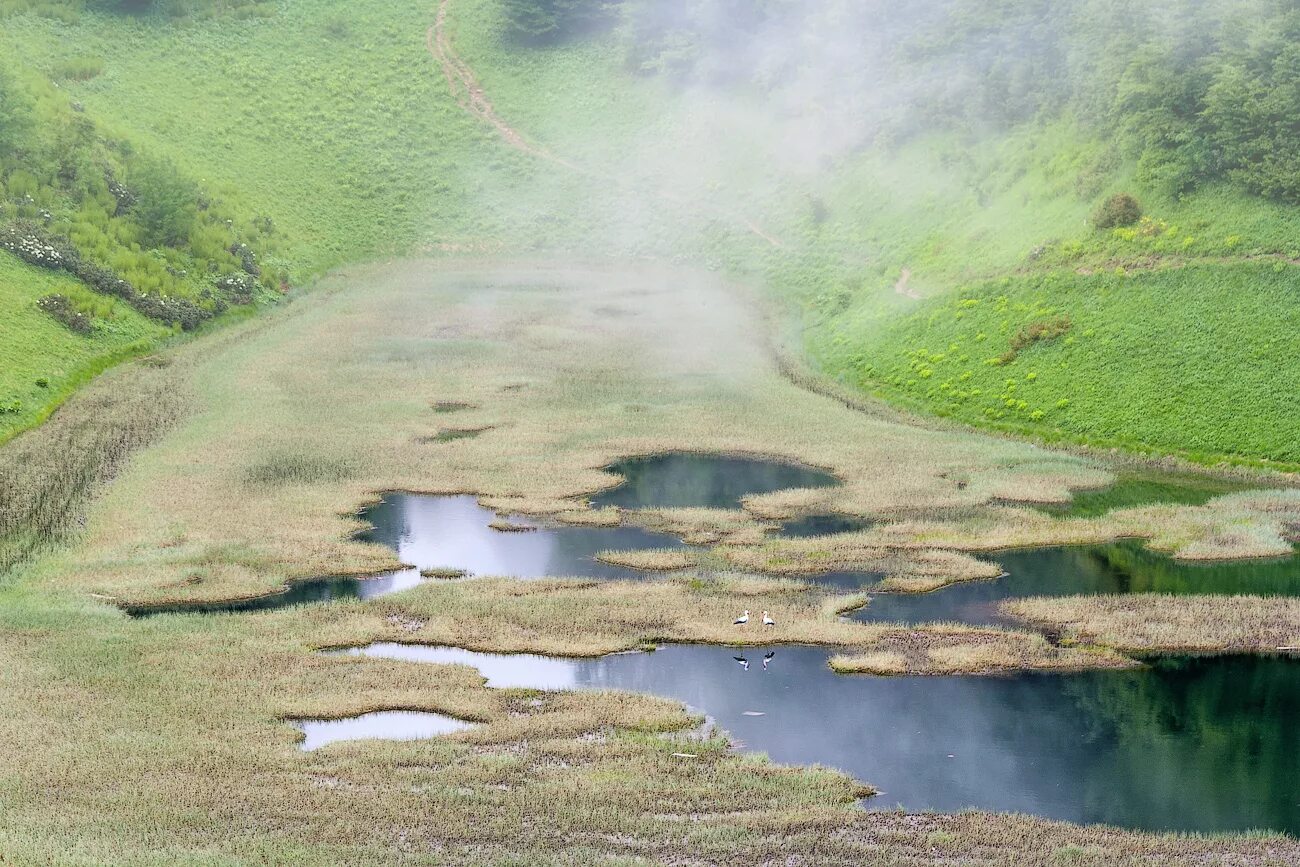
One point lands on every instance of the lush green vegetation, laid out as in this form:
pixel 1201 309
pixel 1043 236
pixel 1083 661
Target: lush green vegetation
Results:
pixel 1079 357
pixel 936 151
pixel 104 250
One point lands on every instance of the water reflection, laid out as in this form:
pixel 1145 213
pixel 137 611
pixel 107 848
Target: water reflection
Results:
pixel 454 533
pixel 705 481
pixel 809 526
pixel 1189 744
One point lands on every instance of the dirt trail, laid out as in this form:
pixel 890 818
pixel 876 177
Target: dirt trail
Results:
pixel 469 94
pixel 903 286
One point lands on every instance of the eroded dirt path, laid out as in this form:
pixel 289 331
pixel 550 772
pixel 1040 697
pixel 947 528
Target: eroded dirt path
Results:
pixel 904 285
pixel 469 94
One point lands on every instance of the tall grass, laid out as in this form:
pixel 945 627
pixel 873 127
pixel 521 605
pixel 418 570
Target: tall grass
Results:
pixel 48 475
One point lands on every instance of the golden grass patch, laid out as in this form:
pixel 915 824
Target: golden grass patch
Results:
pixel 1149 623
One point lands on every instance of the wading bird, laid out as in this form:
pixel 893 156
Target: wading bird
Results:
pixel 767 619
pixel 744 663
pixel 767 657
pixel 742 619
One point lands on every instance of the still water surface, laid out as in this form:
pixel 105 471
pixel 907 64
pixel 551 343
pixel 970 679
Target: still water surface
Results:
pixel 1188 744
pixel 1124 567
pixel 682 480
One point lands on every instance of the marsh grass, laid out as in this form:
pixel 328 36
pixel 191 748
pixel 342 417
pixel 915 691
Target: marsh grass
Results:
pixel 446 407
pixel 955 649
pixel 1149 623
pixel 296 468
pixel 48 477
pixel 452 434
pixel 177 722
pixel 650 559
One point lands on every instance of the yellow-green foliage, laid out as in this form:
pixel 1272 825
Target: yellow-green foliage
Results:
pixel 41 361
pixel 1194 360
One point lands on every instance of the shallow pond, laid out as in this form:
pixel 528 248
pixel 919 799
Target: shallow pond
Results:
pixel 822 525
pixel 454 533
pixel 680 480
pixel 391 725
pixel 1188 744
pixel 1124 567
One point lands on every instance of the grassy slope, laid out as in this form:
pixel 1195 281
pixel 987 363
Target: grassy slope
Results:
pixel 1191 361
pixel 353 149
pixel 1179 339
pixel 329 118
pixel 292 127
pixel 33 346
pixel 1197 359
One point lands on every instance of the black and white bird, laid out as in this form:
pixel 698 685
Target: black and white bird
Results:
pixel 767 619
pixel 767 657
pixel 742 619
pixel 744 663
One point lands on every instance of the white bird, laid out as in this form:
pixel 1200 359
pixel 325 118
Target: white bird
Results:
pixel 744 663
pixel 768 658
pixel 767 619
pixel 742 619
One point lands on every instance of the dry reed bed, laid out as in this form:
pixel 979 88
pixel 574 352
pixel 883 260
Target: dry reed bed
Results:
pixel 650 559
pixel 1151 623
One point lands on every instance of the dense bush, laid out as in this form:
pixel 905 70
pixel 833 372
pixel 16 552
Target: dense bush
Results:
pixel 541 21
pixel 166 202
pixel 79 68
pixel 16 118
pixel 1120 209
pixel 61 308
pixel 127 224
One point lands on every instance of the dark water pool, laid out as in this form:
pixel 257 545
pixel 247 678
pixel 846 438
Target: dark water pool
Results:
pixel 1125 567
pixel 1188 744
pixel 706 481
pixel 1134 488
pixel 822 525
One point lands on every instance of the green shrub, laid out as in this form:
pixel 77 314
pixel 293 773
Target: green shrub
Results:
pixel 61 309
pixel 1120 209
pixel 166 202
pixel 79 68
pixel 541 21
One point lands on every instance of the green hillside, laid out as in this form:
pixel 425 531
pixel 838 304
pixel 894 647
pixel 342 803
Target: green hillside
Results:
pixel 1197 360
pixel 41 361
pixel 326 133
